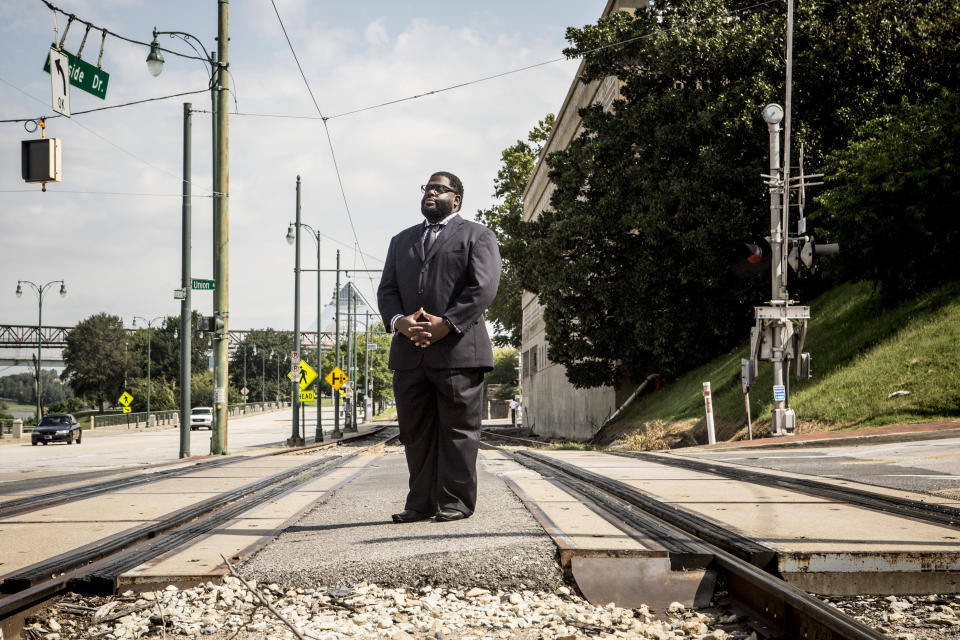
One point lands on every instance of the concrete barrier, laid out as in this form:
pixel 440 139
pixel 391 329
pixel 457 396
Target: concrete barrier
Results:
pixel 17 428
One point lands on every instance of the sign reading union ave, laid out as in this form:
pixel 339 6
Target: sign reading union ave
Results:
pixel 84 76
pixel 203 285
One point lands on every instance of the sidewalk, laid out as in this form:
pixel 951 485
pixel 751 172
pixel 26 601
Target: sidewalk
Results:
pixel 868 435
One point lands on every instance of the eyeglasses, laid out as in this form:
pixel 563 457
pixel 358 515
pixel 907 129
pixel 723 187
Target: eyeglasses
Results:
pixel 439 189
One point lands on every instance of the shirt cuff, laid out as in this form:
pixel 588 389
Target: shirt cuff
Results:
pixel 393 323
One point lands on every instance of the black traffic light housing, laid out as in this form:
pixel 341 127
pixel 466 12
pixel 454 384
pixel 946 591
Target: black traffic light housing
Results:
pixel 806 250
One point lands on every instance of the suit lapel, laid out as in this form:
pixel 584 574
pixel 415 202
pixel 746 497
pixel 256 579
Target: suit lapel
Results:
pixel 451 229
pixel 417 241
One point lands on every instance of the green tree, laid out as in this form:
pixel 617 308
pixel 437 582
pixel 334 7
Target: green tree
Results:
pixel 505 362
pixel 893 198
pixel 267 364
pixel 631 262
pixel 505 220
pixel 96 358
pixel 165 348
pixel 163 394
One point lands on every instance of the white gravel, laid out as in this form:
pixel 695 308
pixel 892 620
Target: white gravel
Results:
pixel 230 610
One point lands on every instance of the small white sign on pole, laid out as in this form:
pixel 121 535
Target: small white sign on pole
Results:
pixel 708 402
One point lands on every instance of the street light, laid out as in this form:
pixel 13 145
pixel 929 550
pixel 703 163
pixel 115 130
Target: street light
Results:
pixel 149 327
pixel 219 94
pixel 40 290
pixel 291 238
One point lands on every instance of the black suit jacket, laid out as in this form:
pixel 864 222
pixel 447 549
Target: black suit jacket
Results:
pixel 457 279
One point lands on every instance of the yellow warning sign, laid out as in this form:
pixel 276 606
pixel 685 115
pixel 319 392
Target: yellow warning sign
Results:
pixel 307 375
pixel 125 400
pixel 126 409
pixel 336 378
pixel 306 396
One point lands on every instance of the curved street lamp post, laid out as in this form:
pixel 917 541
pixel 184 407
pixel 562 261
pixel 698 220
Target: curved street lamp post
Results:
pixel 219 93
pixel 40 290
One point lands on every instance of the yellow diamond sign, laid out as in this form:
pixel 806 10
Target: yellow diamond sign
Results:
pixel 307 375
pixel 336 378
pixel 125 399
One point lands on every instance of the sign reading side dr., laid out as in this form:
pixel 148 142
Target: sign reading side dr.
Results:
pixel 83 75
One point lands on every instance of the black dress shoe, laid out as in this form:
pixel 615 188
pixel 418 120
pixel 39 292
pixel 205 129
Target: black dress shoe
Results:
pixel 448 515
pixel 408 515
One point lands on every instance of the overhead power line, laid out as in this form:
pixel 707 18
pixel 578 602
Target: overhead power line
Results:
pixel 333 155
pixel 112 106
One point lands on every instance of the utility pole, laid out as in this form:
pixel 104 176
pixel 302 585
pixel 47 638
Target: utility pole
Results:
pixel 221 240
pixel 318 434
pixel 336 357
pixel 186 312
pixel 295 439
pixel 366 363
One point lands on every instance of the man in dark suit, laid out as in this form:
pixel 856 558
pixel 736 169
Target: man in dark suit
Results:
pixel 439 279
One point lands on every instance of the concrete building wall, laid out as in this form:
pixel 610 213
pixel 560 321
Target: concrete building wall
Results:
pixel 552 407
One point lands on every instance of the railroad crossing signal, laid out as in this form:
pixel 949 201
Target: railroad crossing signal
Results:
pixel 125 400
pixel 336 378
pixel 307 375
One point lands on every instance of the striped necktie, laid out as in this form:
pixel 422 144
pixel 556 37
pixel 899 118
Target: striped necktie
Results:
pixel 431 237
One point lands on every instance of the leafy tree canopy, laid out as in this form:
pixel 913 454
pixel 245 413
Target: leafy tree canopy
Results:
pixel 505 219
pixel 632 261
pixel 97 359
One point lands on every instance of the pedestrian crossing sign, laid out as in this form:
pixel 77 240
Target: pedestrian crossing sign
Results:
pixel 336 378
pixel 307 375
pixel 125 399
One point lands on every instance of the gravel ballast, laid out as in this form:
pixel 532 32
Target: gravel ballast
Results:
pixel 351 539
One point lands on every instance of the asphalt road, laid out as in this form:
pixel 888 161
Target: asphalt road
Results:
pixel 113 449
pixel 928 466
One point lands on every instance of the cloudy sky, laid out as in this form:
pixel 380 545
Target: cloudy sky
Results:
pixel 112 227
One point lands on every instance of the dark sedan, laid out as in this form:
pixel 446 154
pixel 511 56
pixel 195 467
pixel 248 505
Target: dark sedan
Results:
pixel 57 427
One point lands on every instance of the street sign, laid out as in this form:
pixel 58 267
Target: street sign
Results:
pixel 306 373
pixel 202 285
pixel 126 409
pixel 336 378
pixel 371 346
pixel 306 396
pixel 125 399
pixel 179 294
pixel 59 82
pixel 245 391
pixel 779 392
pixel 82 75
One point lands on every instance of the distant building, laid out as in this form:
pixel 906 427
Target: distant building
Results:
pixel 328 315
pixel 552 407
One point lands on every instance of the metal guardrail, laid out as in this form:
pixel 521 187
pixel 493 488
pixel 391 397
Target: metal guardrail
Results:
pixel 6 427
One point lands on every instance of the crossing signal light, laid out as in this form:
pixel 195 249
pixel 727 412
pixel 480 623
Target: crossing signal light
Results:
pixel 807 251
pixel 751 259
pixel 40 160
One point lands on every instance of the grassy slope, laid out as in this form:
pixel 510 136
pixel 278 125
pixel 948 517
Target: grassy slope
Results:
pixel 860 356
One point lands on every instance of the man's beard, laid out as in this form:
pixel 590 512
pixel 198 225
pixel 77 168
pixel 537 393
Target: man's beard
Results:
pixel 440 210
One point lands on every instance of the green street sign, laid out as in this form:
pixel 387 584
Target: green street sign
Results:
pixel 179 294
pixel 203 285
pixel 84 75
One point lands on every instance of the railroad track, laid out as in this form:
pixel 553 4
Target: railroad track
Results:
pixel 94 568
pixel 747 569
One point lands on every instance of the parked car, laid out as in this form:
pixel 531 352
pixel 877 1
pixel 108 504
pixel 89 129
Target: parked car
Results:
pixel 201 417
pixel 57 427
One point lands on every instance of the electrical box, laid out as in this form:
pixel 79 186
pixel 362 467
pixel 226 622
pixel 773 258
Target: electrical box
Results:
pixel 40 160
pixel 784 422
pixel 748 372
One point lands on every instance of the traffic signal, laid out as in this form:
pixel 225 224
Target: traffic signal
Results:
pixel 807 251
pixel 40 160
pixel 205 323
pixel 751 258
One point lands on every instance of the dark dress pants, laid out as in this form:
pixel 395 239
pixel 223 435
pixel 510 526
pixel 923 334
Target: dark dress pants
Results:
pixel 439 414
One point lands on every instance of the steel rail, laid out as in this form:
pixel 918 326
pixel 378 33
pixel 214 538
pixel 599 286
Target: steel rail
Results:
pixel 43 500
pixel 784 610
pixel 930 512
pixel 87 568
